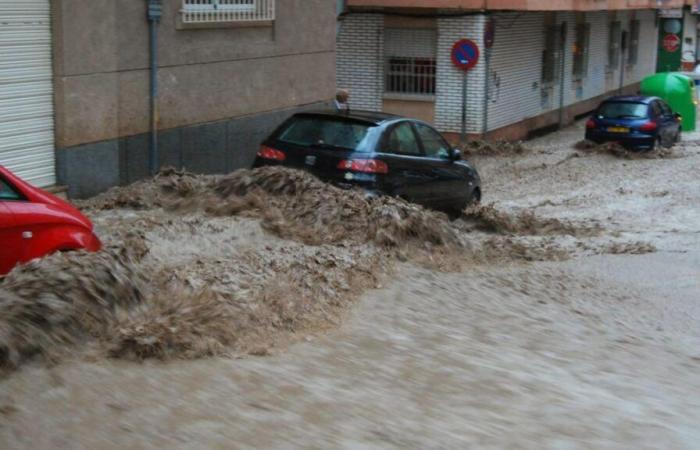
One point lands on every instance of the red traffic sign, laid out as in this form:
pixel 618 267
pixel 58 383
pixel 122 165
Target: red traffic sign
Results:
pixel 671 43
pixel 465 54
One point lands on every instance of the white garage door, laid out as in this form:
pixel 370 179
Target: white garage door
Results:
pixel 26 91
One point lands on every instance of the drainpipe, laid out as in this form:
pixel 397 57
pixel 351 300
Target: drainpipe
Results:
pixel 489 36
pixel 623 47
pixel 155 11
pixel 341 8
pixel 562 74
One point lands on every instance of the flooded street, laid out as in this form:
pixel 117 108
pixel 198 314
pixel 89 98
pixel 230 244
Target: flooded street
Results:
pixel 594 345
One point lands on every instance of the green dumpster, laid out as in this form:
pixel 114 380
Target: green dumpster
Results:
pixel 679 92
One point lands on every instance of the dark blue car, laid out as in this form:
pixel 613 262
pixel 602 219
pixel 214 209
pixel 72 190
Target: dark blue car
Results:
pixel 635 122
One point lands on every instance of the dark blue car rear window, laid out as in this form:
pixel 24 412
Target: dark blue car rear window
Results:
pixel 623 110
pixel 327 132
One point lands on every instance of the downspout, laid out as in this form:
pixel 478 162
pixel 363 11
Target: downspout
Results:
pixel 562 73
pixel 341 7
pixel 155 11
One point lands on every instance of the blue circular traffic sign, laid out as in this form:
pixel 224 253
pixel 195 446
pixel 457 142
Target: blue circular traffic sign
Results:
pixel 465 54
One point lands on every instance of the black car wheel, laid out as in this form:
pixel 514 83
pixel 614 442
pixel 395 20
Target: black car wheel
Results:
pixel 476 196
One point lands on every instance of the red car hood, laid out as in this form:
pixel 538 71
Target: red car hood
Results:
pixel 36 195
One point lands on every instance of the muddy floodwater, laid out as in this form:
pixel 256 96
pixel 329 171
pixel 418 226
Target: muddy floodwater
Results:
pixel 569 317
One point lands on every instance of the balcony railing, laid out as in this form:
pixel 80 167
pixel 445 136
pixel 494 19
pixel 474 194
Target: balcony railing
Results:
pixel 217 11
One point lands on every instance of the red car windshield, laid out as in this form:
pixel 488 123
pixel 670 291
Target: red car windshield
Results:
pixel 326 132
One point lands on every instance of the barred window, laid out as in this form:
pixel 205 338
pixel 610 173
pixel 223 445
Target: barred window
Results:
pixel 633 54
pixel 614 43
pixel 551 55
pixel 580 50
pixel 207 11
pixel 410 66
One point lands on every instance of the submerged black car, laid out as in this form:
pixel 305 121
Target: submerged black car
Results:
pixel 379 152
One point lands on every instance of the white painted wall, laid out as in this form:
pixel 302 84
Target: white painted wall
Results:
pixel 516 66
pixel 359 64
pixel 448 96
pixel 515 87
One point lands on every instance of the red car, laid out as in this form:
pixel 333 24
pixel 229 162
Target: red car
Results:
pixel 34 223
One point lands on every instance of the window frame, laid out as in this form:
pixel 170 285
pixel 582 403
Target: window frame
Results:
pixel 387 137
pixel 422 70
pixel 582 72
pixel 633 46
pixel 614 45
pixel 416 127
pixel 216 5
pixel 551 56
pixel 222 12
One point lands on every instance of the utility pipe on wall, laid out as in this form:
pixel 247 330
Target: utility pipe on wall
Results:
pixel 155 11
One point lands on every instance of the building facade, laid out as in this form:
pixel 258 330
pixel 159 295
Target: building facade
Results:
pixel 544 66
pixel 75 92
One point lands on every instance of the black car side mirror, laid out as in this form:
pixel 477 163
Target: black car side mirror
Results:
pixel 456 154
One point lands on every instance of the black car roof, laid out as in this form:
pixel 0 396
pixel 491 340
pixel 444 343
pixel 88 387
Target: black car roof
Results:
pixel 372 117
pixel 631 98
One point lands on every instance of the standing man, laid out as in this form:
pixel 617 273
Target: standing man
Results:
pixel 341 100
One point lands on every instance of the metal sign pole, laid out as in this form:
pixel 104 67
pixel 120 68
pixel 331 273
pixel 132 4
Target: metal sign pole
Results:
pixel 463 138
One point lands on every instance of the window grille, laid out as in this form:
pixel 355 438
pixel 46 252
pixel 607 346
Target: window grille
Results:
pixel 213 11
pixel 633 54
pixel 410 63
pixel 614 41
pixel 580 66
pixel 551 55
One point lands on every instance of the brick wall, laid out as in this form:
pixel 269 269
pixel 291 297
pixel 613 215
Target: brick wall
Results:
pixel 448 99
pixel 360 50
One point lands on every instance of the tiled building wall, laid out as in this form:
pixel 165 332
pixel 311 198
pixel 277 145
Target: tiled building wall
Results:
pixel 514 77
pixel 360 50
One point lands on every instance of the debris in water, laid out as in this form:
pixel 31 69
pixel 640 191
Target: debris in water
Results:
pixel 480 147
pixel 615 149
pixel 216 265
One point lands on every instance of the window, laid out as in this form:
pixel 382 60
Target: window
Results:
pixel 580 50
pixel 614 39
pixel 7 192
pixel 656 110
pixel 403 141
pixel 309 131
pixel 665 108
pixel 433 144
pixel 212 11
pixel 623 110
pixel 633 54
pixel 551 55
pixel 410 66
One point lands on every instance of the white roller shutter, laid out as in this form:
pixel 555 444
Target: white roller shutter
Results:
pixel 26 91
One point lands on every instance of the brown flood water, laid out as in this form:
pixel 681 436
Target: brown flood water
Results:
pixel 581 339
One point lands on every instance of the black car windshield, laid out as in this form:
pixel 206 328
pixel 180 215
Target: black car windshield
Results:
pixel 325 132
pixel 623 110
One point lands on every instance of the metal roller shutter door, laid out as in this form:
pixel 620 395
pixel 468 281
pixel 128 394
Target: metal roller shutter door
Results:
pixel 26 90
